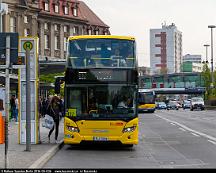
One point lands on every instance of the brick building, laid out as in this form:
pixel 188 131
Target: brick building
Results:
pixel 52 21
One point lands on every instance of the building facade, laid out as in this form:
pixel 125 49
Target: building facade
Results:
pixel 192 58
pixel 188 67
pixel 53 21
pixel 144 71
pixel 165 50
pixel 174 80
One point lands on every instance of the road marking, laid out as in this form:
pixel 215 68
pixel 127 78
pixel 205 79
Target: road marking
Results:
pixel 195 134
pixel 189 129
pixel 212 142
pixel 182 129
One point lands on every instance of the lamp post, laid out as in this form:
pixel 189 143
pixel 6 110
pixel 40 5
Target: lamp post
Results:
pixel 212 68
pixel 206 45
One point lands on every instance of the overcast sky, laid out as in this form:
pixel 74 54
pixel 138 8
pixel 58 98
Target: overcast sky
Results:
pixel 137 17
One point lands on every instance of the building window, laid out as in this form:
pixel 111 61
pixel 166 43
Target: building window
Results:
pixel 57 43
pixel 56 27
pixel 46 27
pixel 82 31
pixel 66 11
pixel 26 32
pixel 46 6
pixel 65 43
pixel 65 28
pixel 96 32
pixel 89 32
pixel 46 41
pixel 56 8
pixel 75 30
pixel 12 24
pixel 75 11
pixel 25 19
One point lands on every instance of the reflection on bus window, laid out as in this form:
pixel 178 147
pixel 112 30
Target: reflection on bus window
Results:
pixel 101 53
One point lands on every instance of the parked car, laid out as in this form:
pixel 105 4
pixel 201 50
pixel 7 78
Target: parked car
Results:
pixel 173 105
pixel 161 105
pixel 197 103
pixel 186 104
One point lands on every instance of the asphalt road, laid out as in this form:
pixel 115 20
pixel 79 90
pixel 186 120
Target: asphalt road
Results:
pixel 167 139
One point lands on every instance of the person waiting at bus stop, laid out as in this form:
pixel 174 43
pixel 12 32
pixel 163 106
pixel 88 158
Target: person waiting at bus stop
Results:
pixel 54 110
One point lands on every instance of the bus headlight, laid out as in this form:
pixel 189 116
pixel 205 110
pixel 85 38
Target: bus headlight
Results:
pixel 72 129
pixel 129 129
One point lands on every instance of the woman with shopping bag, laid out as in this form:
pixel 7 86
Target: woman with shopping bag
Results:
pixel 54 110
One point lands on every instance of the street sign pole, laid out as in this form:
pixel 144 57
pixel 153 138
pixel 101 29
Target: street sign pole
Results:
pixel 28 101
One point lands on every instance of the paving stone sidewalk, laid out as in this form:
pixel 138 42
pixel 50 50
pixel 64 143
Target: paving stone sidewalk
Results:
pixel 18 157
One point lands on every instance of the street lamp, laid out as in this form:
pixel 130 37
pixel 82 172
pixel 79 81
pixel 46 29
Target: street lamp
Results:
pixel 206 45
pixel 212 68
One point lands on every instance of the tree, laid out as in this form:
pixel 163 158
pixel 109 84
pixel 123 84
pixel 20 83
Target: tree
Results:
pixel 50 78
pixel 206 76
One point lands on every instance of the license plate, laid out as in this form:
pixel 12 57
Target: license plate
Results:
pixel 100 139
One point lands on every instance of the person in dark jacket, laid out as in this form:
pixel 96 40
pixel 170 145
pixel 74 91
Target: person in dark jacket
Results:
pixel 54 110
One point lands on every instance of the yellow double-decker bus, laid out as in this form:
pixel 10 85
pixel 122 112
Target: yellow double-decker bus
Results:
pixel 101 87
pixel 146 101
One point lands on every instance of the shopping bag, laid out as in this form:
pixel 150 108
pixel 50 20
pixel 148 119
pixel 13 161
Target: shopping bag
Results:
pixel 48 122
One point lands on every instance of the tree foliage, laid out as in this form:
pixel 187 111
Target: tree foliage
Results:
pixel 50 78
pixel 206 75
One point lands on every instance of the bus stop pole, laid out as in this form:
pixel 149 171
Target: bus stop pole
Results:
pixel 28 102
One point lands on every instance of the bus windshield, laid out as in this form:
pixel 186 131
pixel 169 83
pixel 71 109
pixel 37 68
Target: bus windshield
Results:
pixel 101 53
pixel 146 97
pixel 102 102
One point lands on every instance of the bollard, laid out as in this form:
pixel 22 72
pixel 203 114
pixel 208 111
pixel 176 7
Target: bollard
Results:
pixel 2 129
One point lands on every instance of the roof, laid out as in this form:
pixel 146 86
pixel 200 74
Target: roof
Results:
pixel 90 16
pixel 101 36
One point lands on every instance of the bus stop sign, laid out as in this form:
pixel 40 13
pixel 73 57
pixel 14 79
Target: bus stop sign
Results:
pixel 27 45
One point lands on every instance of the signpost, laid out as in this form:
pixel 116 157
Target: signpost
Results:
pixel 8 52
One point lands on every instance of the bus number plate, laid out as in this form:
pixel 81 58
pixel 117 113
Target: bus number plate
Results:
pixel 100 139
